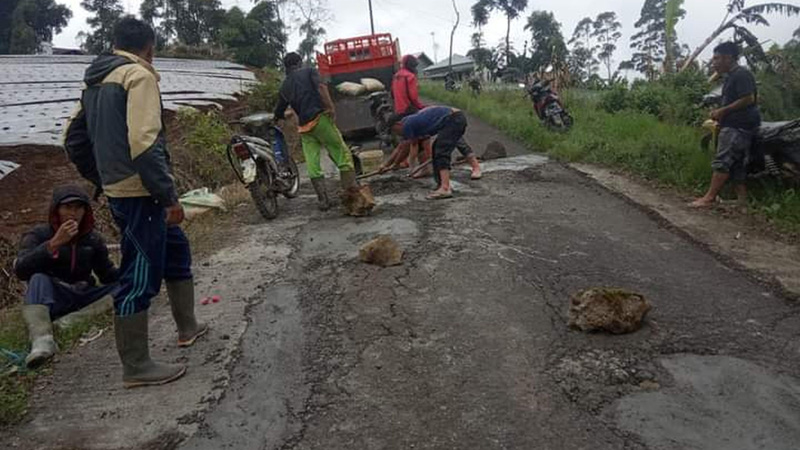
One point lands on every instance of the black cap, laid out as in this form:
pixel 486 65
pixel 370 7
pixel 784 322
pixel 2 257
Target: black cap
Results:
pixel 73 198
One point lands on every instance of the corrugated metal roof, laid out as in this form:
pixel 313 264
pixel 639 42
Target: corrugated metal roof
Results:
pixel 38 93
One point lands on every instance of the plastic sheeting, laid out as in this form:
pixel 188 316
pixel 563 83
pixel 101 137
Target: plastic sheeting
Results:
pixel 38 93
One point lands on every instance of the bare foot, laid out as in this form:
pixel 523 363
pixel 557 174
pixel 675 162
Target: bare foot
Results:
pixel 440 194
pixel 702 203
pixel 476 174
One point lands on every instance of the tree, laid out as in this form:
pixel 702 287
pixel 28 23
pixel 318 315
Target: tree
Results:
pixel 737 17
pixel 258 38
pixel 512 9
pixel 582 61
pixel 481 55
pixel 547 41
pixel 606 30
pixel 452 35
pixel 651 41
pixel 26 24
pixel 106 15
pixel 312 14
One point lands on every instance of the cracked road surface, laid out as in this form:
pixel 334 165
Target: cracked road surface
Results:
pixel 465 346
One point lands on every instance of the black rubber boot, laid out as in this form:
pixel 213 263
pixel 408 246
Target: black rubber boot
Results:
pixel 138 369
pixel 181 300
pixel 323 203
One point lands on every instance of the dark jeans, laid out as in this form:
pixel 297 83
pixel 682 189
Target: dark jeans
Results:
pixel 151 252
pixel 450 137
pixel 63 298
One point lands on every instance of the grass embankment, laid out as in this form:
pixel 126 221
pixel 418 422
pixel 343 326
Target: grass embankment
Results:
pixel 639 143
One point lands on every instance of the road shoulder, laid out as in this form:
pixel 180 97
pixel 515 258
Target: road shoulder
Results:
pixel 769 259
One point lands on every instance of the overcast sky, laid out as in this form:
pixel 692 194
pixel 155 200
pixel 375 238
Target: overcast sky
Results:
pixel 413 21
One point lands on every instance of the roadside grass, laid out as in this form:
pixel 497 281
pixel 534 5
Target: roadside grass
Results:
pixel 16 381
pixel 638 143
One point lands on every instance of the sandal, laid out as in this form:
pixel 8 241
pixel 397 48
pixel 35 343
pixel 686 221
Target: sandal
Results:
pixel 476 175
pixel 440 195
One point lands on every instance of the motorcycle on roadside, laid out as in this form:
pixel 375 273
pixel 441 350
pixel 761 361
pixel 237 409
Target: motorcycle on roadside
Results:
pixel 548 106
pixel 776 147
pixel 262 162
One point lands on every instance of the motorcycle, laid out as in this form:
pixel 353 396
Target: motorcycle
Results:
pixel 548 106
pixel 263 164
pixel 450 84
pixel 776 147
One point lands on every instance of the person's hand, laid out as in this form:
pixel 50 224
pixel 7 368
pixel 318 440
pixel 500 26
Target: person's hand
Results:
pixel 65 233
pixel 175 214
pixel 718 114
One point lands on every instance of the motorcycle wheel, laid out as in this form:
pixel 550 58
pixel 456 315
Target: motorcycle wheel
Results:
pixel 556 122
pixel 294 190
pixel 261 191
pixel 567 120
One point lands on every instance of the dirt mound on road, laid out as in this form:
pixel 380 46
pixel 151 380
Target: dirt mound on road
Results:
pixel 613 310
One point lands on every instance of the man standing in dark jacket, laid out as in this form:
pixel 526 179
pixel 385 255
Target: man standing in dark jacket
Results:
pixel 116 140
pixel 309 98
pixel 57 261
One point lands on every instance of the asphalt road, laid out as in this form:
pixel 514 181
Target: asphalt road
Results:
pixel 465 346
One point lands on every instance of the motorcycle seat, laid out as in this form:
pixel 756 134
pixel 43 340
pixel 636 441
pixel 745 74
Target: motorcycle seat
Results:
pixel 258 119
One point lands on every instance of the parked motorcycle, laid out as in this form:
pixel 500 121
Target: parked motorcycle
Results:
pixel 262 162
pixel 450 84
pixel 548 106
pixel 776 147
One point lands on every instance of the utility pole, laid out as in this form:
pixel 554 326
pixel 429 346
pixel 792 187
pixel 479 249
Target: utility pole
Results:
pixel 371 21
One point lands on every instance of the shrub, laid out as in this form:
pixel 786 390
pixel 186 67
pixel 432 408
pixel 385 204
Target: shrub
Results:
pixel 615 99
pixel 674 98
pixel 205 141
pixel 263 96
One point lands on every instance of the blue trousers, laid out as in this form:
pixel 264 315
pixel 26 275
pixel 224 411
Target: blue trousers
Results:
pixel 152 251
pixel 63 298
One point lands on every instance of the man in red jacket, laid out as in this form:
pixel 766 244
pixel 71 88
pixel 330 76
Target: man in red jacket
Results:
pixel 405 89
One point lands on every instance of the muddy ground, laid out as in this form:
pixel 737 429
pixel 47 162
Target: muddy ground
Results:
pixel 463 346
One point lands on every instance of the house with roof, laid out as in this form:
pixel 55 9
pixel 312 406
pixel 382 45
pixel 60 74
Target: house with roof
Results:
pixel 462 67
pixel 424 61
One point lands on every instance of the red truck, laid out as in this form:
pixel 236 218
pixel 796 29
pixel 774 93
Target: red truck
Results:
pixel 376 56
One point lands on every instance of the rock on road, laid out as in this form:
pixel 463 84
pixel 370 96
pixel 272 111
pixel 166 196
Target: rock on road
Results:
pixel 465 346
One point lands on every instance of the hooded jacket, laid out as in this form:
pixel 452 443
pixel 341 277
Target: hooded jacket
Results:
pixel 116 136
pixel 72 263
pixel 405 90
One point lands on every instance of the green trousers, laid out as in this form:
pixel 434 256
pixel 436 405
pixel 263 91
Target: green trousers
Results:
pixel 325 134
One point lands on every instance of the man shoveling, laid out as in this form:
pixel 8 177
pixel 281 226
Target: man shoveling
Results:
pixel 449 126
pixel 311 101
pixel 60 261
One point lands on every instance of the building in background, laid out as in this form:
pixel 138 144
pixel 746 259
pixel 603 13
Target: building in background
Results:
pixel 462 67
pixel 424 61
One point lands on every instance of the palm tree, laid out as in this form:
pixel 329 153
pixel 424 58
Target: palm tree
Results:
pixel 511 8
pixel 738 14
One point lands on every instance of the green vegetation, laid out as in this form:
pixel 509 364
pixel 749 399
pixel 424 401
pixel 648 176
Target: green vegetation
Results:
pixel 668 153
pixel 204 137
pixel 15 381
